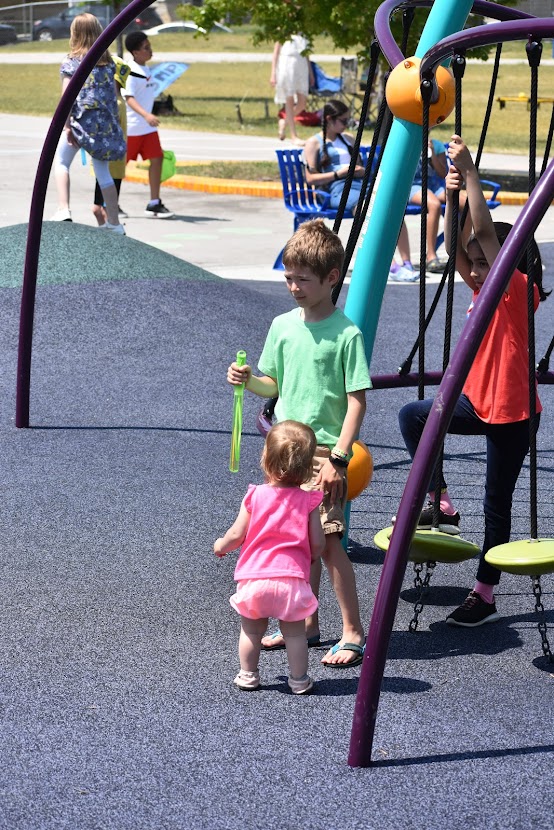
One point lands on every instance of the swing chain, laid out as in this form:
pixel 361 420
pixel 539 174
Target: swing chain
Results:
pixel 541 625
pixel 422 585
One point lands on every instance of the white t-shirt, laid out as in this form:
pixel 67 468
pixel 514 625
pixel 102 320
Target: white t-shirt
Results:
pixel 143 90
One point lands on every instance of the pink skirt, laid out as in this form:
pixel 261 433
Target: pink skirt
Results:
pixel 285 598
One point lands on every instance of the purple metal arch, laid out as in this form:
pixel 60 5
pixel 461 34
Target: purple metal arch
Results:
pixel 430 379
pixel 390 48
pixel 28 294
pixel 538 28
pixel 394 567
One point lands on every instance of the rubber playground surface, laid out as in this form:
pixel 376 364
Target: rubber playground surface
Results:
pixel 118 640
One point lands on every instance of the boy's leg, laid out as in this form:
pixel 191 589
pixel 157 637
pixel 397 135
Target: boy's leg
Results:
pixel 297 647
pixel 250 643
pixel 341 574
pixel 155 177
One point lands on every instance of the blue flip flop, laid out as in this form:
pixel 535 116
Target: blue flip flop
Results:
pixel 358 650
pixel 315 640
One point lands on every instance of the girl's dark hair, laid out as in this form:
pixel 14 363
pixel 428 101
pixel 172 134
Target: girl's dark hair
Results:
pixel 502 229
pixel 332 109
pixel 288 452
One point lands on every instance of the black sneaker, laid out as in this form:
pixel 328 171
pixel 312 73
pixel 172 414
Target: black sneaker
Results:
pixel 473 611
pixel 158 210
pixel 447 523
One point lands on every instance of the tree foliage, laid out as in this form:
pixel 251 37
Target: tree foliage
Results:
pixel 349 23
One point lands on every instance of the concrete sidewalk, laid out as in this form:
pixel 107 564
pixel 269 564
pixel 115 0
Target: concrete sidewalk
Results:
pixel 233 236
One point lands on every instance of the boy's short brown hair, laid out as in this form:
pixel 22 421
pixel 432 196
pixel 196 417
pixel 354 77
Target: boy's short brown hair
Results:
pixel 314 246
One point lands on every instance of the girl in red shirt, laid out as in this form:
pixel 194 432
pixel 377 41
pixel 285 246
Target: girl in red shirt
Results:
pixel 495 398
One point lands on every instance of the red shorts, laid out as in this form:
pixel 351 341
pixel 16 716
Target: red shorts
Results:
pixel 146 146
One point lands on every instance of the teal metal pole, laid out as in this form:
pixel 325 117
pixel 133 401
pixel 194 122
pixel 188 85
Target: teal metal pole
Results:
pixel 386 211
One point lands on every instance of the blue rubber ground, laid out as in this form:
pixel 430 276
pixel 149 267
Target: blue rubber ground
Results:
pixel 118 643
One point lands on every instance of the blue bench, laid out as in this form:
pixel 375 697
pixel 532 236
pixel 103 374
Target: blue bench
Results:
pixel 306 202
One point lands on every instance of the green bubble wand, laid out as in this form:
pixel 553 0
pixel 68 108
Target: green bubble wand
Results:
pixel 237 419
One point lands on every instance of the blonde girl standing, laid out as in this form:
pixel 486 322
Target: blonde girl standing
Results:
pixel 93 123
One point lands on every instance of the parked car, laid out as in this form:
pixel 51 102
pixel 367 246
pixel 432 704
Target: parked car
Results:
pixel 177 26
pixel 57 26
pixel 7 34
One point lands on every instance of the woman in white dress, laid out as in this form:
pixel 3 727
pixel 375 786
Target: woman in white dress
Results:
pixel 290 75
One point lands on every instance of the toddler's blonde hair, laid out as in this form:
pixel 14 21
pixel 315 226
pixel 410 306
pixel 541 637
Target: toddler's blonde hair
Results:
pixel 288 453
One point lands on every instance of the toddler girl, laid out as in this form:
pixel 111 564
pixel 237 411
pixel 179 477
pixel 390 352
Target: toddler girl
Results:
pixel 280 531
pixel 93 122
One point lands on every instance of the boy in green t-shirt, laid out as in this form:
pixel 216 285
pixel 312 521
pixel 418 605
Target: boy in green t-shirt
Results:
pixel 314 360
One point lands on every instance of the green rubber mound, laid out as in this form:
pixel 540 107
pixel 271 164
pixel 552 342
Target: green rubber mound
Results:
pixel 73 253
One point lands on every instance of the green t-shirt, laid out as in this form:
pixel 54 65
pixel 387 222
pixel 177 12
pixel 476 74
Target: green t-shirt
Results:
pixel 315 366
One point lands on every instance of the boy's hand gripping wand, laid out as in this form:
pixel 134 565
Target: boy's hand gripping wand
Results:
pixel 237 419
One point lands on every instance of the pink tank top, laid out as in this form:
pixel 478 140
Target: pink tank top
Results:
pixel 277 542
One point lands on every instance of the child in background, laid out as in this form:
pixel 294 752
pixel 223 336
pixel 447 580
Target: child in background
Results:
pixel 280 532
pixel 437 169
pixel 314 360
pixel 93 122
pixel 117 168
pixel 495 397
pixel 142 125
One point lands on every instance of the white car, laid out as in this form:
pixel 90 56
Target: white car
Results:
pixel 177 26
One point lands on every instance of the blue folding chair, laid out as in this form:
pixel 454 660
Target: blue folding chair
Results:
pixel 303 201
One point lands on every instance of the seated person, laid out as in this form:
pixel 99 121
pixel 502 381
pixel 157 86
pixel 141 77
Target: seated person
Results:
pixel 437 169
pixel 327 155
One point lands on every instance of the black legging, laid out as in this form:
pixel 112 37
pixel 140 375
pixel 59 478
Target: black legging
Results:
pixel 507 446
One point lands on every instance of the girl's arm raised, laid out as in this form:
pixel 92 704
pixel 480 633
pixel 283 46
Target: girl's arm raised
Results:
pixel 454 182
pixel 483 226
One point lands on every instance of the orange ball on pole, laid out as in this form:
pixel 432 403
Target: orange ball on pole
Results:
pixel 360 469
pixel 403 93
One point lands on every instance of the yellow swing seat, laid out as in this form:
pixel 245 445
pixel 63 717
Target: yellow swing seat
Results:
pixel 531 557
pixel 432 546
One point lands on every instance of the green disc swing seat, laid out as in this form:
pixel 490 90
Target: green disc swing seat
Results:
pixel 532 557
pixel 432 546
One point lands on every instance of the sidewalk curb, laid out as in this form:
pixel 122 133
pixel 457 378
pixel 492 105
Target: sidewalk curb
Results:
pixel 204 184
pixel 269 190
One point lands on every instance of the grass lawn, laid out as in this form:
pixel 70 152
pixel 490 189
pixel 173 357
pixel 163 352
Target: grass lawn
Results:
pixel 207 95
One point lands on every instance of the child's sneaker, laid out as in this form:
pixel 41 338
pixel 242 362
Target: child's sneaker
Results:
pixel 158 210
pixel 107 226
pixel 62 215
pixel 403 274
pixel 448 523
pixel 247 681
pixel 302 686
pixel 473 611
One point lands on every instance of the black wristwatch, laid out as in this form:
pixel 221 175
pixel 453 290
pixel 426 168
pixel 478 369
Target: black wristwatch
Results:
pixel 338 462
pixel 336 176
